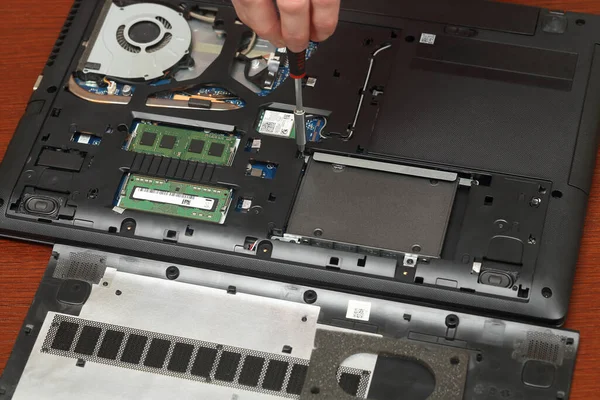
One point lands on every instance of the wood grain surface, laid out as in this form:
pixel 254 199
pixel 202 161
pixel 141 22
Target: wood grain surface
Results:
pixel 29 30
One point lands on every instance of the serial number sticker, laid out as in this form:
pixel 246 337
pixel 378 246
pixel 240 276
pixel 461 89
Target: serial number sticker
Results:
pixel 359 310
pixel 428 38
pixel 178 199
pixel 276 123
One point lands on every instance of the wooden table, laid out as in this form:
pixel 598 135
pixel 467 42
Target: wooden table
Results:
pixel 29 29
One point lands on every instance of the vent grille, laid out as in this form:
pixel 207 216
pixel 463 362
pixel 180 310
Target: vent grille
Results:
pixel 124 43
pixel 184 358
pixel 63 33
pixel 354 381
pixel 165 23
pixel 163 42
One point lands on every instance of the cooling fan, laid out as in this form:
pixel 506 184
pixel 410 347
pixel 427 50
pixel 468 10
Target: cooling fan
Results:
pixel 139 41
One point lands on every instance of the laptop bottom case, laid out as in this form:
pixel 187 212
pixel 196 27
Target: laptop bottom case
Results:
pixel 109 326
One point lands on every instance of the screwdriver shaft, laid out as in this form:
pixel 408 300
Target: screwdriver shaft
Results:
pixel 299 117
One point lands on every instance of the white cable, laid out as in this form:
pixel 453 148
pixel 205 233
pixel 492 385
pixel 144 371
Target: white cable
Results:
pixel 322 129
pixel 205 18
pixel 366 84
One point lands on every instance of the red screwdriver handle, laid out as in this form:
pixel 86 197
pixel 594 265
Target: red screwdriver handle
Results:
pixel 297 63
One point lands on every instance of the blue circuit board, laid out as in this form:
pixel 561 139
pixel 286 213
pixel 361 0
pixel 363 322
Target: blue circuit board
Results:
pixel 314 128
pixel 260 169
pixel 205 91
pixel 284 71
pixel 102 90
pixel 85 138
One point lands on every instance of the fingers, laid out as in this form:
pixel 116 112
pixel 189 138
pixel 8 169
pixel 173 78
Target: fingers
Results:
pixel 295 23
pixel 324 19
pixel 261 17
pixel 298 22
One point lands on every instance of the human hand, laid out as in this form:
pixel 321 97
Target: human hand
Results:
pixel 298 22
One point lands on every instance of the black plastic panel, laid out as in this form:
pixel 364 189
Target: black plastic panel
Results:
pixel 451 120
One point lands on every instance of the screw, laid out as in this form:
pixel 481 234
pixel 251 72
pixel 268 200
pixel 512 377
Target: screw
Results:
pixel 318 232
pixel 452 321
pixel 410 261
pixel 255 64
pixel 535 202
pixel 416 248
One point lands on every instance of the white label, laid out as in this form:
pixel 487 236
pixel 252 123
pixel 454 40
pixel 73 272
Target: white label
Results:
pixel 246 204
pixel 83 138
pixel 178 199
pixel 276 123
pixel 360 310
pixel 427 38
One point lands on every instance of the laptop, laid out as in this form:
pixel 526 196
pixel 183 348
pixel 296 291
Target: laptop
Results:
pixel 422 247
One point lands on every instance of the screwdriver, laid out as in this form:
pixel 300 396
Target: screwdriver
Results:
pixel 297 62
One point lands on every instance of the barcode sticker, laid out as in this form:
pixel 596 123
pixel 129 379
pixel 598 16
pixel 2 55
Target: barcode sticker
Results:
pixel 178 199
pixel 360 310
pixel 276 123
pixel 428 38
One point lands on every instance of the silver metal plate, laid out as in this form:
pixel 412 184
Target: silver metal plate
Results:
pixel 116 53
pixel 170 308
pixel 371 208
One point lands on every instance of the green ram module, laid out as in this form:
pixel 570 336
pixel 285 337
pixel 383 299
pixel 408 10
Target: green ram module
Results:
pixel 178 199
pixel 195 145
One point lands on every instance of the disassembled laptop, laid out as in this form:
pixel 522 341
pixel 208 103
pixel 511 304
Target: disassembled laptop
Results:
pixel 198 254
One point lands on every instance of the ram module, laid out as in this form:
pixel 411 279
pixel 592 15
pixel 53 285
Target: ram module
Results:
pixel 195 145
pixel 178 199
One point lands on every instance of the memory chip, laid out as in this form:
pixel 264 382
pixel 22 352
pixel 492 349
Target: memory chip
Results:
pixel 148 139
pixel 196 146
pixel 201 145
pixel 216 150
pixel 174 198
pixel 167 142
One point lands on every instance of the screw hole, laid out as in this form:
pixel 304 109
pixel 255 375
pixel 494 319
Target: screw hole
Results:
pixel 172 272
pixel 580 22
pixel 315 390
pixel 416 248
pixel 304 319
pixel 118 292
pixel 454 360
pixel 479 357
pixel 410 39
pixel 547 292
pixel 104 283
pixel 318 232
pixel 557 194
pixel 51 89
pixel 310 296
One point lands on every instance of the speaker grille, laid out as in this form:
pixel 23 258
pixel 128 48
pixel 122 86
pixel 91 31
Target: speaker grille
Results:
pixel 543 346
pixel 81 266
